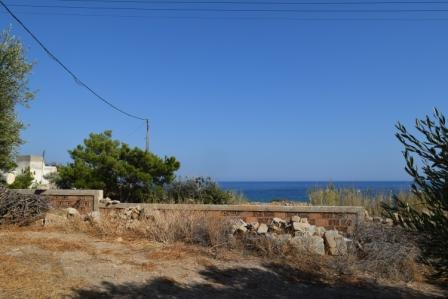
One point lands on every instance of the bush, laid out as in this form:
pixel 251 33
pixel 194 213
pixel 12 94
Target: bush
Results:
pixel 388 252
pixel 200 190
pixel 23 180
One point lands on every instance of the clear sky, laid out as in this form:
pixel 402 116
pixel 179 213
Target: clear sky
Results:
pixel 239 96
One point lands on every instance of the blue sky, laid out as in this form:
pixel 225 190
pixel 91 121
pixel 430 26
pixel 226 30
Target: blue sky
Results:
pixel 239 99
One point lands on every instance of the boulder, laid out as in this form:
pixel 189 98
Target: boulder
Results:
pixel 262 229
pixel 242 229
pixel 72 213
pixel 310 230
pixel 295 218
pixel 320 231
pixel 313 244
pixel 282 239
pixel 300 226
pixel 335 243
pixel 238 226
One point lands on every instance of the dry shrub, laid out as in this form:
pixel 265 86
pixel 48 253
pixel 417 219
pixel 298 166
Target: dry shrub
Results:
pixel 166 227
pixel 264 245
pixel 386 252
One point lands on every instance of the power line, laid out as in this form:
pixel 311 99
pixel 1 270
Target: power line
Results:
pixel 260 2
pixel 235 9
pixel 228 18
pixel 58 61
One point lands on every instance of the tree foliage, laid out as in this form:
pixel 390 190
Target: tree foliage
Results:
pixel 124 173
pixel 427 164
pixel 23 180
pixel 200 190
pixel 14 70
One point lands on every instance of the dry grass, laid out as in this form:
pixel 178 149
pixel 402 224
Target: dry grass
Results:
pixel 168 227
pixel 50 244
pixel 381 251
pixel 386 252
pixel 176 251
pixel 372 202
pixel 17 281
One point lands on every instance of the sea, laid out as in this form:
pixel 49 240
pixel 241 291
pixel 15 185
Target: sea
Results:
pixel 298 191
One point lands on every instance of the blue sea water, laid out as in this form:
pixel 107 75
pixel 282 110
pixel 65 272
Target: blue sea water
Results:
pixel 298 191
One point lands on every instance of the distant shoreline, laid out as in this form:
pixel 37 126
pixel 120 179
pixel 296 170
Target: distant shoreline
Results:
pixel 267 191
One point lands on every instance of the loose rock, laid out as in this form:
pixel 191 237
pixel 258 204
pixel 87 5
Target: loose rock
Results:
pixel 72 213
pixel 295 218
pixel 262 229
pixel 335 243
pixel 313 244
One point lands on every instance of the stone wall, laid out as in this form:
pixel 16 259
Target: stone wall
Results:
pixel 343 219
pixel 84 201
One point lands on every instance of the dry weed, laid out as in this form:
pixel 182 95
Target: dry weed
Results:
pixel 386 252
pixel 164 227
pixel 17 281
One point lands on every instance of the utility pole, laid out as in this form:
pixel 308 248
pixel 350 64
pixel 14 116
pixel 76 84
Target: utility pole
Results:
pixel 147 136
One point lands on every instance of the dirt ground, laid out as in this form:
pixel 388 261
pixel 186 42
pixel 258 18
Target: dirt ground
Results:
pixel 43 263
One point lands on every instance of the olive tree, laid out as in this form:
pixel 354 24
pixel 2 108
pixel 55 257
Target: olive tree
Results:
pixel 427 163
pixel 14 71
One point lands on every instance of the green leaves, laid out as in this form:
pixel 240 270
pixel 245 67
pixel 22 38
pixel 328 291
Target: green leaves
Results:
pixel 23 180
pixel 124 173
pixel 14 70
pixel 427 163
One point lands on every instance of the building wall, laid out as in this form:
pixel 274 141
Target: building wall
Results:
pixel 37 167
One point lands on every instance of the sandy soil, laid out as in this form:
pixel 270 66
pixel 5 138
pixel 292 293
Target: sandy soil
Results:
pixel 57 264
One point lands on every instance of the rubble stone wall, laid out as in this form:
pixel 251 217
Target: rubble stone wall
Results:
pixel 85 201
pixel 343 219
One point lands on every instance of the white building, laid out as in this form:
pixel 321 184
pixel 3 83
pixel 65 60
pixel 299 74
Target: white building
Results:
pixel 37 167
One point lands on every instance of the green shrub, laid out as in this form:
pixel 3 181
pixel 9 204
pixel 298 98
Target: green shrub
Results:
pixel 200 190
pixel 23 180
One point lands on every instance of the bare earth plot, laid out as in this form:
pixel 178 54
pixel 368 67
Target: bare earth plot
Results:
pixel 37 263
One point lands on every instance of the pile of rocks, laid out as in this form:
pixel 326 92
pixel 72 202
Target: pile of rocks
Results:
pixel 299 233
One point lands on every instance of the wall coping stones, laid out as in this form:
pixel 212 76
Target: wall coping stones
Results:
pixel 242 208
